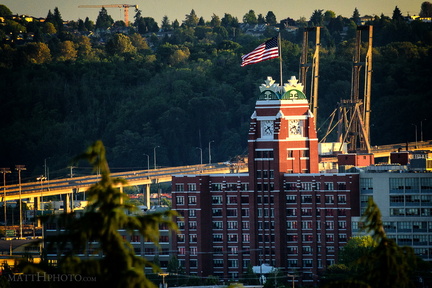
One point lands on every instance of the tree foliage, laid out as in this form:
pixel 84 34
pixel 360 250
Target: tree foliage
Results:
pixel 101 223
pixel 377 263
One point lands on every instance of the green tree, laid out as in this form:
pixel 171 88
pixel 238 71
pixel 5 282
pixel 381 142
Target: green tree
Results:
pixel 356 16
pixel 397 15
pixel 67 51
pixel 166 25
pixel 4 11
pixel 385 264
pixel 215 21
pixel 120 44
pixel 250 18
pixel 104 20
pixel 270 18
pixel 317 18
pixel 426 9
pixel 139 42
pixel 37 53
pixel 101 222
pixel 191 19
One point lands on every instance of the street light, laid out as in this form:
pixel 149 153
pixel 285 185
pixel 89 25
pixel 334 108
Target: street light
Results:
pixel 20 168
pixel 4 171
pixel 41 179
pixel 210 151
pixel 201 157
pixel 415 134
pixel 421 129
pixel 154 156
pixel 148 162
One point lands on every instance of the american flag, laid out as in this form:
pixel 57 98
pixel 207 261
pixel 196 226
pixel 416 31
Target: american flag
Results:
pixel 267 50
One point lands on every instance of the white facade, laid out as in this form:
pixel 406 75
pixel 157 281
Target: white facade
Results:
pixel 405 201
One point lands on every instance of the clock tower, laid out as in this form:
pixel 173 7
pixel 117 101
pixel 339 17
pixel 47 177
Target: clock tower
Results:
pixel 282 135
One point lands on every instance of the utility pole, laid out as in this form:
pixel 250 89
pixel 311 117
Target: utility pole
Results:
pixel 20 168
pixel 4 171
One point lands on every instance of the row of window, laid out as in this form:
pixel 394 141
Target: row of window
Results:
pixel 411 200
pixel 310 186
pixel 229 186
pixel 328 199
pixel 307 225
pixel 423 184
pixel 217 237
pixel 309 212
pixel 309 249
pixel 410 211
pixel 329 237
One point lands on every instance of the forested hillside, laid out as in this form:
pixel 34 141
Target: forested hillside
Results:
pixel 180 86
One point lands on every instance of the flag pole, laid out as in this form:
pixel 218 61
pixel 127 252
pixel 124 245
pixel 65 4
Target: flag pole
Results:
pixel 280 59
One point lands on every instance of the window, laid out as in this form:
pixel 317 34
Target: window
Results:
pixel 245 212
pixel 191 187
pixel 217 238
pixel 217 224
pixel 180 224
pixel 216 212
pixel 232 263
pixel 291 199
pixel 307 249
pixel 329 238
pixel 245 225
pixel 342 199
pixel 329 199
pixel 193 238
pixel 328 186
pixel 342 237
pixel 306 199
pixel 180 200
pixel 341 186
pixel 306 212
pixel 192 213
pixel 232 237
pixel 192 225
pixel 366 184
pixel 180 238
pixel 342 224
pixel 232 200
pixel 244 199
pixel 231 187
pixel 329 225
pixel 193 250
pixel 181 250
pixel 232 225
pixel 291 224
pixel 217 199
pixel 291 211
pixel 216 187
pixel 231 212
pixel 291 186
pixel 292 250
pixel 290 154
pixel 306 224
pixel 218 263
pixel 179 187
pixel 245 238
pixel 192 200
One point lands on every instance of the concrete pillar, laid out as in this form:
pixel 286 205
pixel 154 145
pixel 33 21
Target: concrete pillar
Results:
pixel 67 203
pixel 147 196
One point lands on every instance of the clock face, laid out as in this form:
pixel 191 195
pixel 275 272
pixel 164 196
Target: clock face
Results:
pixel 267 128
pixel 294 127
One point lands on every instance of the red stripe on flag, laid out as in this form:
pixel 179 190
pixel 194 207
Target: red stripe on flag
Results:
pixel 267 50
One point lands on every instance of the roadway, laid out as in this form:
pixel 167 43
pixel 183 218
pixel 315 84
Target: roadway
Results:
pixel 133 178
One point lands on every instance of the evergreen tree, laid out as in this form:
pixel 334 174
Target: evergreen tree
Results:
pixel 104 20
pixel 166 26
pixel 270 18
pixel 191 19
pixel 356 16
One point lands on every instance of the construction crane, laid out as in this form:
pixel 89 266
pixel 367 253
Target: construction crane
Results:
pixel 124 6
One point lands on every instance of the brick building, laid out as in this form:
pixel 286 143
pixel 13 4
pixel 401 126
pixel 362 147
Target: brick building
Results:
pixel 283 212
